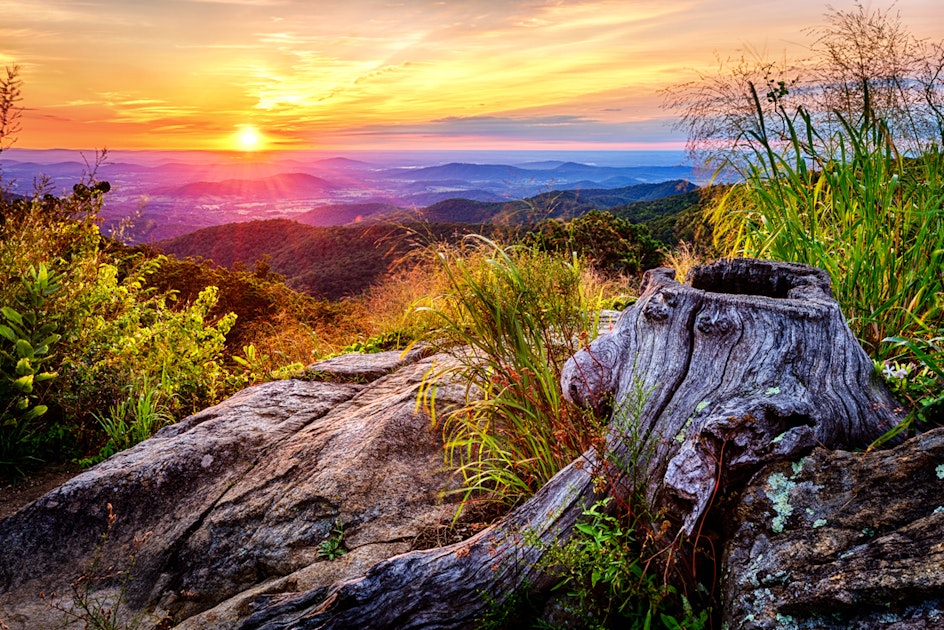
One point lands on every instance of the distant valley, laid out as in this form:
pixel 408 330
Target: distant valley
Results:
pixel 174 194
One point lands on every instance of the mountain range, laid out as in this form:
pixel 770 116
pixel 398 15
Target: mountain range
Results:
pixel 169 194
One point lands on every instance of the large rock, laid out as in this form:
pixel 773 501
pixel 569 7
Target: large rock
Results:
pixel 233 502
pixel 841 540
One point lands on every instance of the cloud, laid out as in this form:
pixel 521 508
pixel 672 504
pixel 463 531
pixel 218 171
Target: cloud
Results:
pixel 528 69
pixel 544 128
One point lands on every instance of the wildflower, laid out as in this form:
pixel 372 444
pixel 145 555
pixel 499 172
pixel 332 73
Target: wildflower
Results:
pixel 896 370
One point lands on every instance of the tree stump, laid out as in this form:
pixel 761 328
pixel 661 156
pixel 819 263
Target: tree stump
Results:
pixel 750 363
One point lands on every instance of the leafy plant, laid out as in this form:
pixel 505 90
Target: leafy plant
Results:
pixel 609 580
pixel 332 547
pixel 512 317
pixel 25 342
pixel 380 342
pixel 919 381
pixel 253 364
pixel 132 420
pixel 133 338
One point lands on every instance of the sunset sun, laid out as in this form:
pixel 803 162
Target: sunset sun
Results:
pixel 248 139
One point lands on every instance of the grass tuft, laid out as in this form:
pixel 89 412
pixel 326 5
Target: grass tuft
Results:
pixel 512 316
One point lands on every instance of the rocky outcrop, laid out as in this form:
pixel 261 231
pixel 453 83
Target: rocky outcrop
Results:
pixel 841 540
pixel 751 363
pixel 233 502
pixel 218 522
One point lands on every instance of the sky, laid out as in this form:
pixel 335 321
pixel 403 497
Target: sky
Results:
pixel 374 74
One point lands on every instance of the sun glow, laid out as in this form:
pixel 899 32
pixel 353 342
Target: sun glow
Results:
pixel 248 138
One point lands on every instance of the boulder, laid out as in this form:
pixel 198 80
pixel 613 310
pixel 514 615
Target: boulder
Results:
pixel 841 540
pixel 234 502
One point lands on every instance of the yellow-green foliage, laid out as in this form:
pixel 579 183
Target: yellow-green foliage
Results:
pixel 113 337
pixel 515 315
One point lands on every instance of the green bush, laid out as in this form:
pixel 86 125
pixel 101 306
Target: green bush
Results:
pixel 131 337
pixel 609 242
pixel 77 307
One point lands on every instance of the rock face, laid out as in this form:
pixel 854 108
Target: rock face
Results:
pixel 841 540
pixel 234 502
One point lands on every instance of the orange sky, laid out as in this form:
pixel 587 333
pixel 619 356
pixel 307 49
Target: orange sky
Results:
pixel 194 74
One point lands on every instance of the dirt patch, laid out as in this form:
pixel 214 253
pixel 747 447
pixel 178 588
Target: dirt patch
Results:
pixel 16 494
pixel 474 518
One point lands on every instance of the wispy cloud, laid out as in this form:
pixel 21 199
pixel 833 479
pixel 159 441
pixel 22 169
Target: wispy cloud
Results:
pixel 303 70
pixel 548 129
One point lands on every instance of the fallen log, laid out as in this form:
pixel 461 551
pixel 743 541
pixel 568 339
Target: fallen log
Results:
pixel 748 364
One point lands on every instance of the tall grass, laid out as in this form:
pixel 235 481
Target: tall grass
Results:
pixel 513 316
pixel 853 204
pixel 132 420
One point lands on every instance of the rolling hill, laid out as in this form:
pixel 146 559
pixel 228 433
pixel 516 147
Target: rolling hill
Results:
pixel 283 185
pixel 336 261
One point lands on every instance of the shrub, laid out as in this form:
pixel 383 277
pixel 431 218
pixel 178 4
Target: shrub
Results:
pixel 76 306
pixel 130 337
pixel 609 242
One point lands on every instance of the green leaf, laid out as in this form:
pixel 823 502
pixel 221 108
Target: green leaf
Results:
pixel 51 339
pixel 12 315
pixel 24 384
pixel 24 367
pixel 45 376
pixel 586 528
pixel 34 413
pixel 7 333
pixel 24 349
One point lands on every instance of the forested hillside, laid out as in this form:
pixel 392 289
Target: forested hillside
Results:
pixel 338 261
pixel 554 204
pixel 327 262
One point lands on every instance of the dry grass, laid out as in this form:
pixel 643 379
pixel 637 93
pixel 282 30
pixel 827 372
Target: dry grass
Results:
pixel 683 258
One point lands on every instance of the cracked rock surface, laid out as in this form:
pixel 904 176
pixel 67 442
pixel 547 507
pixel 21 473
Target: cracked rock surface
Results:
pixel 233 502
pixel 841 540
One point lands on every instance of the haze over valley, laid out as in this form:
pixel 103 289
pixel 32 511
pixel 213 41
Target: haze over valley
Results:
pixel 172 193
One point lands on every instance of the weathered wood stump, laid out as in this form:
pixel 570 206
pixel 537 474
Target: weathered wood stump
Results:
pixel 749 364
